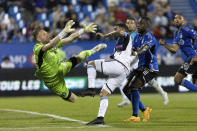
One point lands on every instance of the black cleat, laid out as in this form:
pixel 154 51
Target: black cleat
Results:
pixel 97 121
pixel 88 92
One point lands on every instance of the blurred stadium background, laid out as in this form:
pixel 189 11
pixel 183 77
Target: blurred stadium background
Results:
pixel 17 18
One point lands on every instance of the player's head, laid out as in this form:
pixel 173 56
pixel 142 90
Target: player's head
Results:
pixel 40 35
pixel 143 25
pixel 120 27
pixel 179 20
pixel 131 24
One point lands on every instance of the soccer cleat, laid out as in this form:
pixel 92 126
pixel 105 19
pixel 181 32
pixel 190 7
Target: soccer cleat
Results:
pixel 88 92
pixel 124 103
pixel 99 47
pixel 132 119
pixel 97 121
pixel 147 113
pixel 165 98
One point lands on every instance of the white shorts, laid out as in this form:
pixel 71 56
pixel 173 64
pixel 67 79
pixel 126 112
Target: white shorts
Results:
pixel 116 71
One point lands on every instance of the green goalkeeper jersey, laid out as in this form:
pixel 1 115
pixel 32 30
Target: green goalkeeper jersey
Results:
pixel 47 63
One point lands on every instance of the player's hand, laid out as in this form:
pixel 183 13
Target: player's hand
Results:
pixel 134 53
pixel 68 28
pixel 162 42
pixel 91 28
pixel 100 34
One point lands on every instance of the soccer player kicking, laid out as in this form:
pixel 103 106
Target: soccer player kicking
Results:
pixel 49 67
pixel 131 24
pixel 184 38
pixel 117 68
pixel 145 47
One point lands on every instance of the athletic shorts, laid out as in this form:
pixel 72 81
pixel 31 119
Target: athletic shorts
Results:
pixel 145 74
pixel 116 71
pixel 188 68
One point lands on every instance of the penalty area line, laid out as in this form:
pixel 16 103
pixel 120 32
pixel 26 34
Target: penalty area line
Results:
pixel 51 115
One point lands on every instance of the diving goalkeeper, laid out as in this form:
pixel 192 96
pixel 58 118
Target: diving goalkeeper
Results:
pixel 49 67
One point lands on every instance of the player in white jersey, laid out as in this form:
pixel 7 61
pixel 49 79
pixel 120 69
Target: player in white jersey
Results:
pixel 117 68
pixel 131 24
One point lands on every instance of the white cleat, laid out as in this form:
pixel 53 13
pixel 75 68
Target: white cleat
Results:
pixel 165 98
pixel 99 47
pixel 124 103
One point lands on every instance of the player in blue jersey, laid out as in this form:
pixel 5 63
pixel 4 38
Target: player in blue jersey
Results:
pixel 145 47
pixel 131 24
pixel 184 39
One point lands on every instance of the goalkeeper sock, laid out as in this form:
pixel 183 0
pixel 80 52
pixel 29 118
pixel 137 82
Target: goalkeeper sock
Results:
pixel 91 71
pixel 85 54
pixel 103 106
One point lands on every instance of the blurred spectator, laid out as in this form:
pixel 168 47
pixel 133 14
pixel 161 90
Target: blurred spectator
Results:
pixel 119 15
pixel 100 9
pixel 63 2
pixel 70 11
pixel 6 63
pixel 141 7
pixel 18 37
pixel 86 20
pixel 57 13
pixel 3 33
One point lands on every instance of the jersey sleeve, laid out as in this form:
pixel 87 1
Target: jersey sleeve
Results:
pixel 189 32
pixel 59 44
pixel 37 49
pixel 148 39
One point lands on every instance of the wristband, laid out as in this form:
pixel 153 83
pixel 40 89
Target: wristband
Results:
pixel 61 35
pixel 81 31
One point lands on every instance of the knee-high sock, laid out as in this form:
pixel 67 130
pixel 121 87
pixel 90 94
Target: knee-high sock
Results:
pixel 135 102
pixel 85 54
pixel 124 97
pixel 141 105
pixel 103 106
pixel 158 87
pixel 91 71
pixel 188 85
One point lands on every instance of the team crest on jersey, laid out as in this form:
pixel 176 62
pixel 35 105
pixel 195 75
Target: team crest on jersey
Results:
pixel 181 42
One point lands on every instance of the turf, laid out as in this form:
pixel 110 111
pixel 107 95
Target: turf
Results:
pixel 179 115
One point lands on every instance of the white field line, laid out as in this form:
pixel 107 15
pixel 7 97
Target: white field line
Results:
pixel 66 127
pixel 50 115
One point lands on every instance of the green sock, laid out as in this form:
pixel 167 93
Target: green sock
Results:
pixel 85 54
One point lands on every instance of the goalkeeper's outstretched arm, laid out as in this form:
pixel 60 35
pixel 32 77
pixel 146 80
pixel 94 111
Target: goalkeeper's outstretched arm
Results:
pixel 86 29
pixel 55 41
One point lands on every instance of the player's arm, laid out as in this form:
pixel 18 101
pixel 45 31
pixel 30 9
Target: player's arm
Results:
pixel 57 39
pixel 112 34
pixel 172 49
pixel 86 29
pixel 143 49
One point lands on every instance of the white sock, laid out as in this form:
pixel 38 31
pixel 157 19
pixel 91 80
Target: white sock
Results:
pixel 103 106
pixel 124 97
pixel 91 76
pixel 157 87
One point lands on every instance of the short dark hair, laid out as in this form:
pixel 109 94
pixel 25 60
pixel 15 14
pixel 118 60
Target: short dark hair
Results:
pixel 122 26
pixel 131 18
pixel 6 58
pixel 147 20
pixel 180 15
pixel 35 31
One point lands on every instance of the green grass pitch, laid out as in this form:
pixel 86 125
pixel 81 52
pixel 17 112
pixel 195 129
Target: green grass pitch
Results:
pixel 179 115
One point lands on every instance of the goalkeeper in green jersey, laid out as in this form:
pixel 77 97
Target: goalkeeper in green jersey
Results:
pixel 49 66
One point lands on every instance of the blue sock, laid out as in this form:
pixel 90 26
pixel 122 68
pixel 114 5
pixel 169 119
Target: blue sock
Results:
pixel 135 96
pixel 189 85
pixel 141 105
